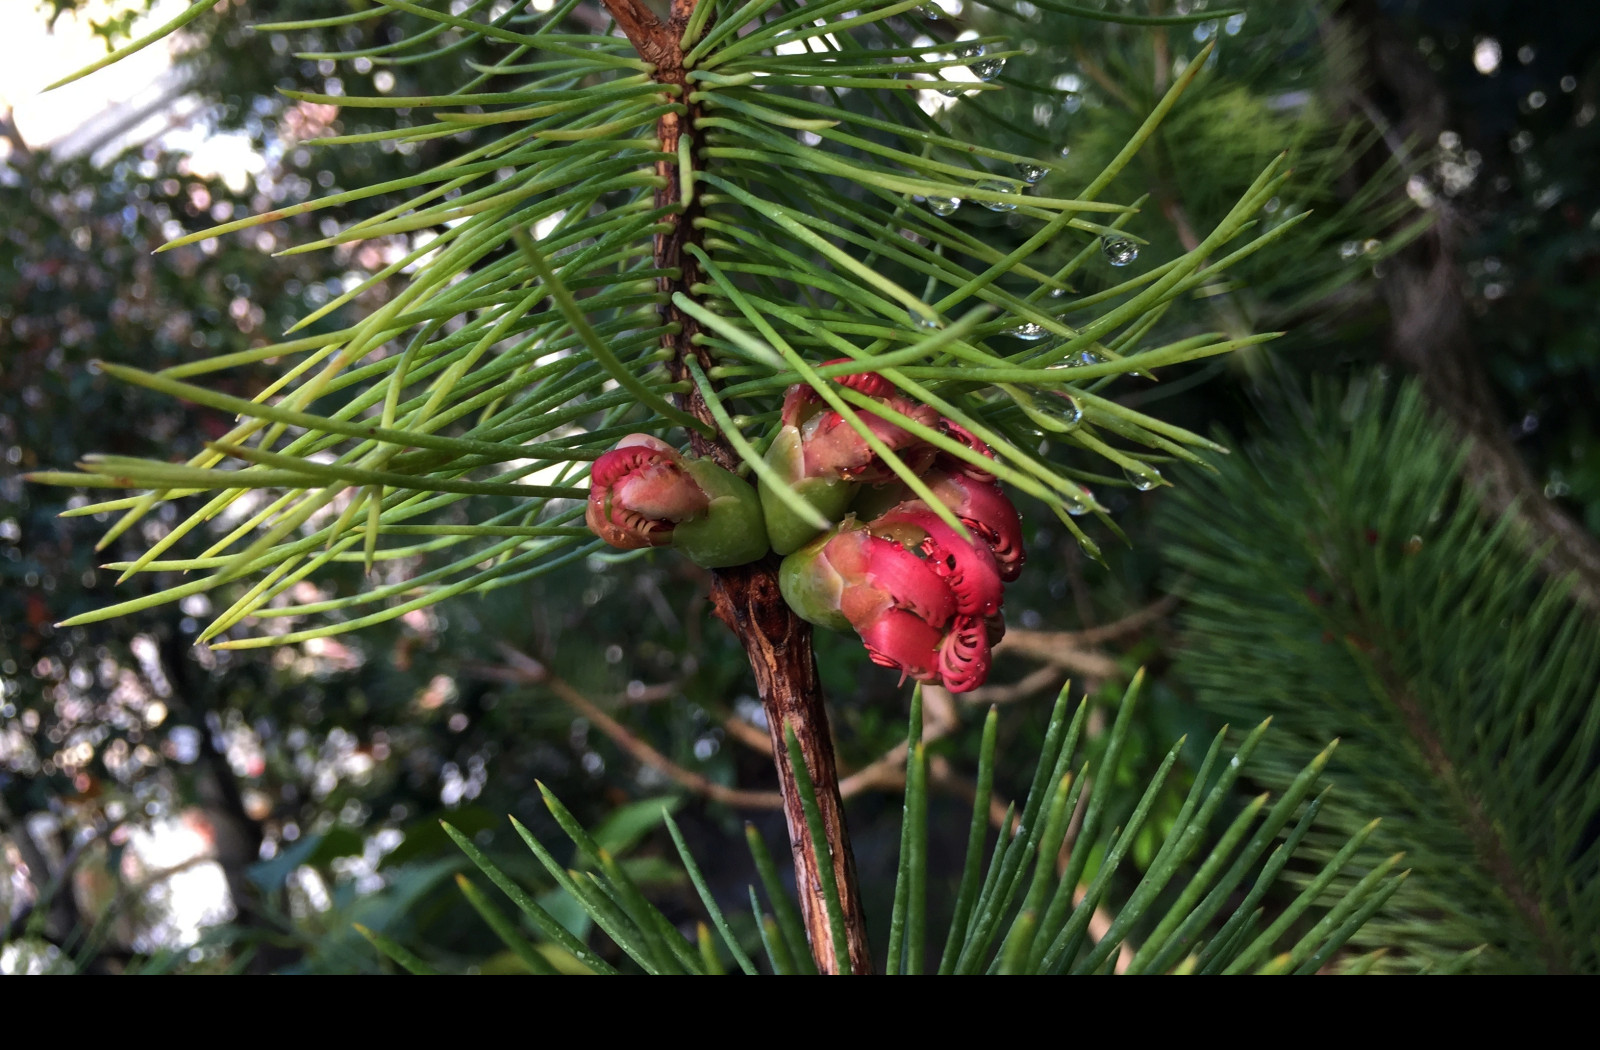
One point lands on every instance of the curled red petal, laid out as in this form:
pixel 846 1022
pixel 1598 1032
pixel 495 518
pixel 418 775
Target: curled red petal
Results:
pixel 964 655
pixel 905 642
pixel 969 569
pixel 957 432
pixel 869 383
pixel 985 509
pixel 911 582
pixel 631 453
pixel 620 527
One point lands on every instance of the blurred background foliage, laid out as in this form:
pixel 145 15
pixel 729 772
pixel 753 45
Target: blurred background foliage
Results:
pixel 167 806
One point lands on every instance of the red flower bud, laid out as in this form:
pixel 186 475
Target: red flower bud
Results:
pixel 832 448
pixel 802 400
pixel 639 491
pixel 921 598
pixel 879 574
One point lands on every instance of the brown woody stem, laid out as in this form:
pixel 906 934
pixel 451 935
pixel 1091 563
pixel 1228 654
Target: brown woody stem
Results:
pixel 777 642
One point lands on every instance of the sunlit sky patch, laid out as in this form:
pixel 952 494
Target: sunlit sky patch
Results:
pixel 131 101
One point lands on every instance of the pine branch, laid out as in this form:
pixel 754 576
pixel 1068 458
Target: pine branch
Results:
pixel 776 641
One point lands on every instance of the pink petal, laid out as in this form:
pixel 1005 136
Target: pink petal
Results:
pixel 968 569
pixel 984 509
pixel 880 575
pixel 964 655
pixel 914 585
pixel 903 641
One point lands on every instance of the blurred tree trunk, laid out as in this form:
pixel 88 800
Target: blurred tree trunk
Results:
pixel 1429 331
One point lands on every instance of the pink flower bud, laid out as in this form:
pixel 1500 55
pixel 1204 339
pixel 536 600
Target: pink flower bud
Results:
pixel 801 401
pixel 880 574
pixel 921 598
pixel 639 491
pixel 832 448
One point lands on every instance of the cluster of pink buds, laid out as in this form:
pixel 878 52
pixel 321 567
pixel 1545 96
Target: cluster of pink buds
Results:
pixel 924 597
pixel 925 600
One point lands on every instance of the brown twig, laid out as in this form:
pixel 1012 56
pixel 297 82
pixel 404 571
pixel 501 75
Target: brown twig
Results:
pixel 887 772
pixel 524 668
pixel 1129 624
pixel 1056 648
pixel 1030 684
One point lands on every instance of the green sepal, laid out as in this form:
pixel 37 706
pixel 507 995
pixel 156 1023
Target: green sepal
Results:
pixel 732 531
pixel 811 586
pixel 830 496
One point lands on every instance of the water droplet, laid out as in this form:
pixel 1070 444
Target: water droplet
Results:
pixel 932 12
pixel 1119 251
pixel 921 321
pixel 1063 408
pixel 1064 151
pixel 943 205
pixel 1079 505
pixel 1144 477
pixel 1349 250
pixel 1081 359
pixel 999 186
pixel 1032 173
pixel 964 51
pixel 1413 545
pixel 1056 293
pixel 1028 330
pixel 987 68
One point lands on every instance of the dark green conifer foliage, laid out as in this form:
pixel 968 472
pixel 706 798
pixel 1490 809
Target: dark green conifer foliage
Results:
pixel 1339 578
